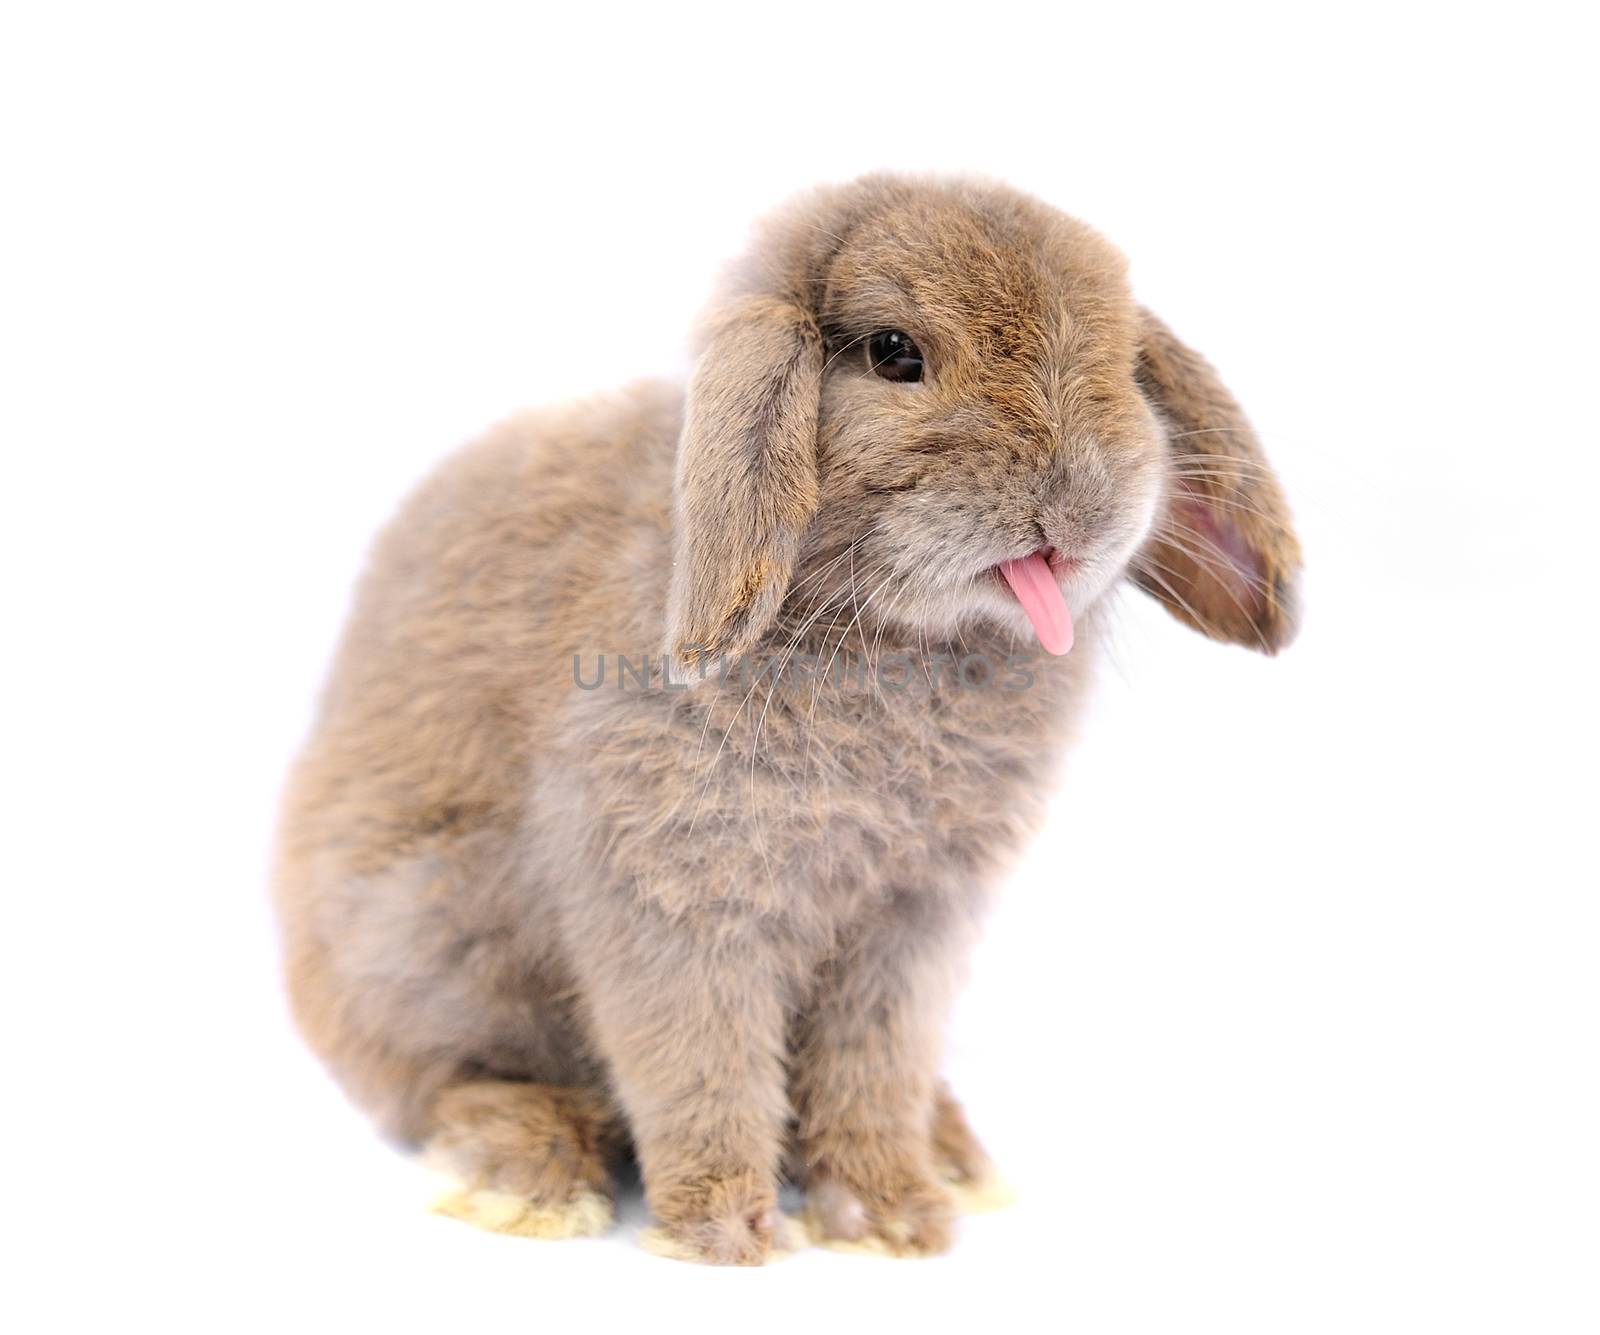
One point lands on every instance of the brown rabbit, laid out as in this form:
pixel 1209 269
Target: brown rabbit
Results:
pixel 712 909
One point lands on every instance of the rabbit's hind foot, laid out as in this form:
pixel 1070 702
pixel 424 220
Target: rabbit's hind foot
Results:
pixel 963 1167
pixel 585 1214
pixel 526 1159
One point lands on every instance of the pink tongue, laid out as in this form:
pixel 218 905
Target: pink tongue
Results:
pixel 1036 589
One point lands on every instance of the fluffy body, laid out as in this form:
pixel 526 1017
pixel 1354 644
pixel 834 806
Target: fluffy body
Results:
pixel 538 927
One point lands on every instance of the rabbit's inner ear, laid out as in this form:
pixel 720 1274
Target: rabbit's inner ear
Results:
pixel 1224 560
pixel 1224 557
pixel 1206 570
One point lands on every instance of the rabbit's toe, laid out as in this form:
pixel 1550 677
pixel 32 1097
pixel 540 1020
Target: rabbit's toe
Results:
pixel 914 1218
pixel 722 1222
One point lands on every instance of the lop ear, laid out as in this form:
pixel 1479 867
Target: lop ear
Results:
pixel 1223 557
pixel 746 476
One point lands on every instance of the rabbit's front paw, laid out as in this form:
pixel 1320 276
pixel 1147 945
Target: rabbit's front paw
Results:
pixel 719 1221
pixel 905 1215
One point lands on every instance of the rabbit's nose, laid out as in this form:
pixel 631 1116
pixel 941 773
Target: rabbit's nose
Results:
pixel 1078 501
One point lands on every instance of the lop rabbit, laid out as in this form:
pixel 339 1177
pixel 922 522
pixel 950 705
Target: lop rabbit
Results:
pixel 710 911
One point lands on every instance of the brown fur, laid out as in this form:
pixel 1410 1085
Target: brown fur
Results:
pixel 530 923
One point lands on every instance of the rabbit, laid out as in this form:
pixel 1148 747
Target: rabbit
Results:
pixel 710 915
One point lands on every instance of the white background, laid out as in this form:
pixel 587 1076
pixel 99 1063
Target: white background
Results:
pixel 1289 1022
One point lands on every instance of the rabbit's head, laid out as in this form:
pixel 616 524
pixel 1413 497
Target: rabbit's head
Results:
pixel 908 384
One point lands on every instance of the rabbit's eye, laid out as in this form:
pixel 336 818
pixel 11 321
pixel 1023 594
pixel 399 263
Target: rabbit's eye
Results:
pixel 894 356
